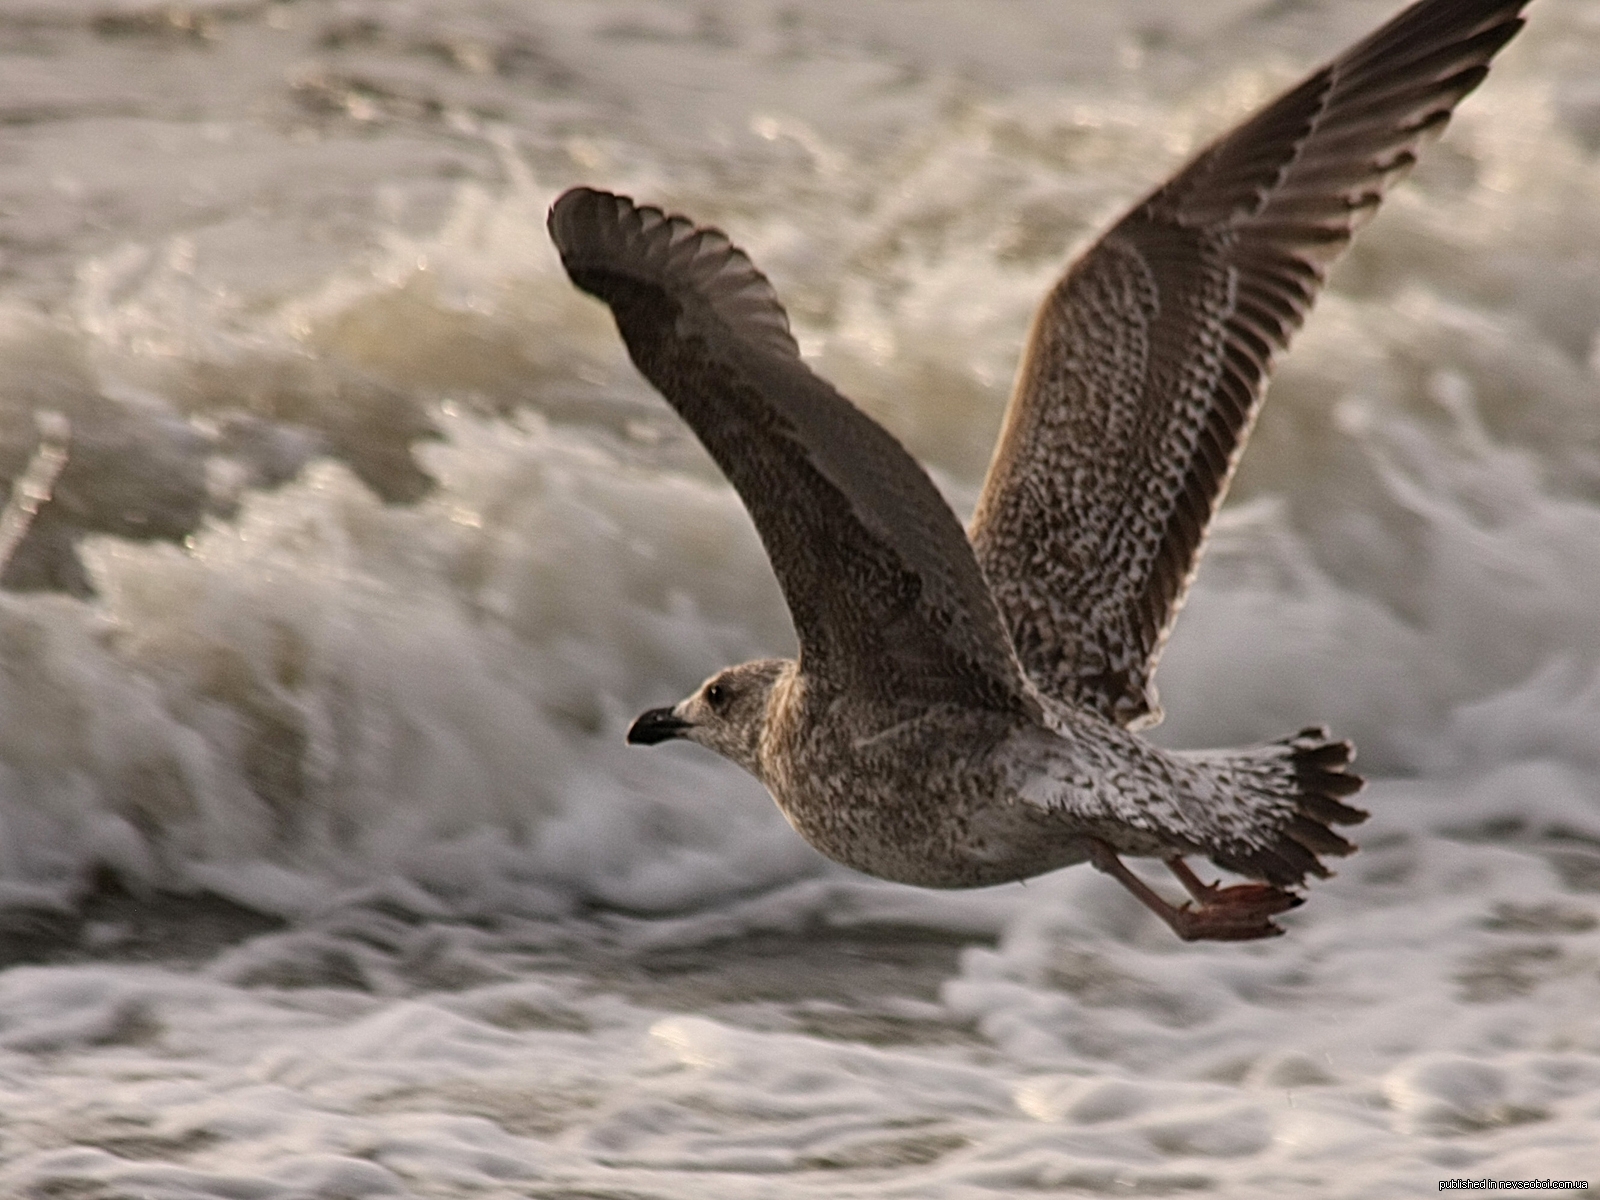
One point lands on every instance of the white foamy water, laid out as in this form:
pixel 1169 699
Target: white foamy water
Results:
pixel 324 871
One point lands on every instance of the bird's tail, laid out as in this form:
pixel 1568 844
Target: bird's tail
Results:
pixel 1303 781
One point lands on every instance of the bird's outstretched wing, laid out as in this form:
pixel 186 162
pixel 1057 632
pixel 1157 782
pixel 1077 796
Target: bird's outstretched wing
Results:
pixel 886 595
pixel 1146 363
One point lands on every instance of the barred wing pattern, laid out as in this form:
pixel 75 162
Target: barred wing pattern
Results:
pixel 1145 366
pixel 886 596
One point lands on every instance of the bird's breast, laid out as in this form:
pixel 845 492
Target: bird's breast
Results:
pixel 916 796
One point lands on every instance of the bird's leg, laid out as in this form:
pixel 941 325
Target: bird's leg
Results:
pixel 1203 892
pixel 1234 914
pixel 1260 898
pixel 1104 858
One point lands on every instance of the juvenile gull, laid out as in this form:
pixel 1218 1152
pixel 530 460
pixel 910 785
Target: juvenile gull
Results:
pixel 962 711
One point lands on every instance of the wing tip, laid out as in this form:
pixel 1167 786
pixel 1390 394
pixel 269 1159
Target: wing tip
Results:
pixel 570 212
pixel 598 229
pixel 601 232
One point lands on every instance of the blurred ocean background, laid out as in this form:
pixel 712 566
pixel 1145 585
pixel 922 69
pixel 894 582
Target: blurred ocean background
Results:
pixel 324 871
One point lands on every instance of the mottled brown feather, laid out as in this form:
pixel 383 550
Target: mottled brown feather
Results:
pixel 887 598
pixel 1146 363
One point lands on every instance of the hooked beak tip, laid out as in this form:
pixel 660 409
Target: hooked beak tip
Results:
pixel 656 725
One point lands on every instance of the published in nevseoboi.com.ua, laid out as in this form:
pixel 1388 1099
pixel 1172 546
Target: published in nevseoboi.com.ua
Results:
pixel 1513 1185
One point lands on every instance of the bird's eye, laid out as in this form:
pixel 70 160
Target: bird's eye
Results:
pixel 716 695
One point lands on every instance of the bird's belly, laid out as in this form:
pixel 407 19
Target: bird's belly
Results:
pixel 927 832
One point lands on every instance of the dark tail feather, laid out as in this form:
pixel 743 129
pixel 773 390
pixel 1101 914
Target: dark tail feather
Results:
pixel 1320 778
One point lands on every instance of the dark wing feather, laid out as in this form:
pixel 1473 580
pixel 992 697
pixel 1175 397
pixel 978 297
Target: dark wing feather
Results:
pixel 1146 363
pixel 886 595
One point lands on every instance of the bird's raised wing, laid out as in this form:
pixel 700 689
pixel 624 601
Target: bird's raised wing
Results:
pixel 1146 363
pixel 886 595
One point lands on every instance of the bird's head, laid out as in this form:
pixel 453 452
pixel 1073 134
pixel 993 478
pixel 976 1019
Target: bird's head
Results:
pixel 727 713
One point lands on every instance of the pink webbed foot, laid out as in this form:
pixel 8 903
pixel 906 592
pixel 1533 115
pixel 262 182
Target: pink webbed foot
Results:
pixel 1244 901
pixel 1233 914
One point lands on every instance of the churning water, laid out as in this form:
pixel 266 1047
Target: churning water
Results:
pixel 324 871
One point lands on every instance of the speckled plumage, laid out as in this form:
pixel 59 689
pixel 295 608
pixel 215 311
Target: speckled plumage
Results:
pixel 960 713
pixel 1146 364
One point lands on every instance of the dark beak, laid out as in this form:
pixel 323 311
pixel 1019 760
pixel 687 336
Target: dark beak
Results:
pixel 657 725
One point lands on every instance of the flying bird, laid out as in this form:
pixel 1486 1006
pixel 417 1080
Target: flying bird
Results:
pixel 964 707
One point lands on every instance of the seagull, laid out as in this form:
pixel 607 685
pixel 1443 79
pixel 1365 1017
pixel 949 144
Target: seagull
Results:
pixel 965 704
